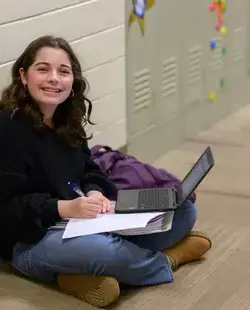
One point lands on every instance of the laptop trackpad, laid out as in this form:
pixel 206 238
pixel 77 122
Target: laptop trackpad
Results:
pixel 128 200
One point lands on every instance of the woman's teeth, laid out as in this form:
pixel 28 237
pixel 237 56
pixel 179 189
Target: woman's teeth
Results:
pixel 51 90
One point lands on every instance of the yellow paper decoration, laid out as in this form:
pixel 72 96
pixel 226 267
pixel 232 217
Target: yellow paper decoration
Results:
pixel 212 96
pixel 223 30
pixel 141 20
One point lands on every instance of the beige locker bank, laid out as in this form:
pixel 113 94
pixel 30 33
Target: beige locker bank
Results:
pixel 182 74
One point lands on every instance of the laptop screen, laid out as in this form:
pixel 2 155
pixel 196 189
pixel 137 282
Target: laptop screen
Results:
pixel 196 174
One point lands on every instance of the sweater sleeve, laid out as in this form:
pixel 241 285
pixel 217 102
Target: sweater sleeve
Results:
pixel 21 212
pixel 96 179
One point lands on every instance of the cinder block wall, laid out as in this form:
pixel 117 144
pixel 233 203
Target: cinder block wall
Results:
pixel 95 29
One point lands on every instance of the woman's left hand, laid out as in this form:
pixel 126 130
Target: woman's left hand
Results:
pixel 105 201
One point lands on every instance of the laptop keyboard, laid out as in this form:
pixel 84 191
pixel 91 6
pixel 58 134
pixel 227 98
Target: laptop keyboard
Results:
pixel 153 198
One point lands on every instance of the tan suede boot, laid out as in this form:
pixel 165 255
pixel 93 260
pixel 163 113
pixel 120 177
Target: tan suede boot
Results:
pixel 191 248
pixel 98 291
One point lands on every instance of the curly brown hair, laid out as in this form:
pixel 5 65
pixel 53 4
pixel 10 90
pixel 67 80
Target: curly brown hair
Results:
pixel 72 115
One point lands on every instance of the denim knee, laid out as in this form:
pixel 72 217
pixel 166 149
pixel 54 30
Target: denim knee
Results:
pixel 189 213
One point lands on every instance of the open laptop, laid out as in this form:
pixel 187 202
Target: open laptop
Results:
pixel 165 199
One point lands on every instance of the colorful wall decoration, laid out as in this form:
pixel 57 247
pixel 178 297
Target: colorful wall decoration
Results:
pixel 218 6
pixel 138 13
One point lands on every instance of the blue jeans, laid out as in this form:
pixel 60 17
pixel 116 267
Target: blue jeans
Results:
pixel 133 260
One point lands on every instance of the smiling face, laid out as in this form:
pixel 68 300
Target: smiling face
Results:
pixel 49 79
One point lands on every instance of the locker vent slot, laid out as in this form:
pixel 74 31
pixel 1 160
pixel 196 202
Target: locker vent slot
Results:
pixel 194 64
pixel 142 89
pixel 216 62
pixel 169 77
pixel 239 44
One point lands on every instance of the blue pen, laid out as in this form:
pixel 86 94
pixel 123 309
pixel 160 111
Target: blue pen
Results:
pixel 76 189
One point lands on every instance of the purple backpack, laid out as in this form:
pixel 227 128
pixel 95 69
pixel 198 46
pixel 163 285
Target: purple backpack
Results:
pixel 126 172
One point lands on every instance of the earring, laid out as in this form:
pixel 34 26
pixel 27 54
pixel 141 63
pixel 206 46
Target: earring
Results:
pixel 72 93
pixel 25 87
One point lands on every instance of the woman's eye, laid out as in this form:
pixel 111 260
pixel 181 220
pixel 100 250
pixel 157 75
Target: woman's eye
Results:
pixel 42 69
pixel 65 72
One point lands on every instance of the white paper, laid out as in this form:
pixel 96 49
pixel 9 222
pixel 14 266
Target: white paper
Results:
pixel 107 223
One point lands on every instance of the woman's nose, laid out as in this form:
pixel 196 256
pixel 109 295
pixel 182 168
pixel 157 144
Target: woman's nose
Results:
pixel 53 76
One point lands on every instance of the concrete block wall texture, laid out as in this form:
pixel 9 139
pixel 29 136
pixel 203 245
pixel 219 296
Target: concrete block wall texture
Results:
pixel 96 31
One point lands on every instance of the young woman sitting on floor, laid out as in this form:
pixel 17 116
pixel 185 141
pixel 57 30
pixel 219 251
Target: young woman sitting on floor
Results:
pixel 44 146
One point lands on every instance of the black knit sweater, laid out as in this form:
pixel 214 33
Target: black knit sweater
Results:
pixel 35 167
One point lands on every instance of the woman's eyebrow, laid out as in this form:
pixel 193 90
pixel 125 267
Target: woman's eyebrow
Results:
pixel 47 64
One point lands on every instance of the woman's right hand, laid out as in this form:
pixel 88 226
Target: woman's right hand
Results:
pixel 82 207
